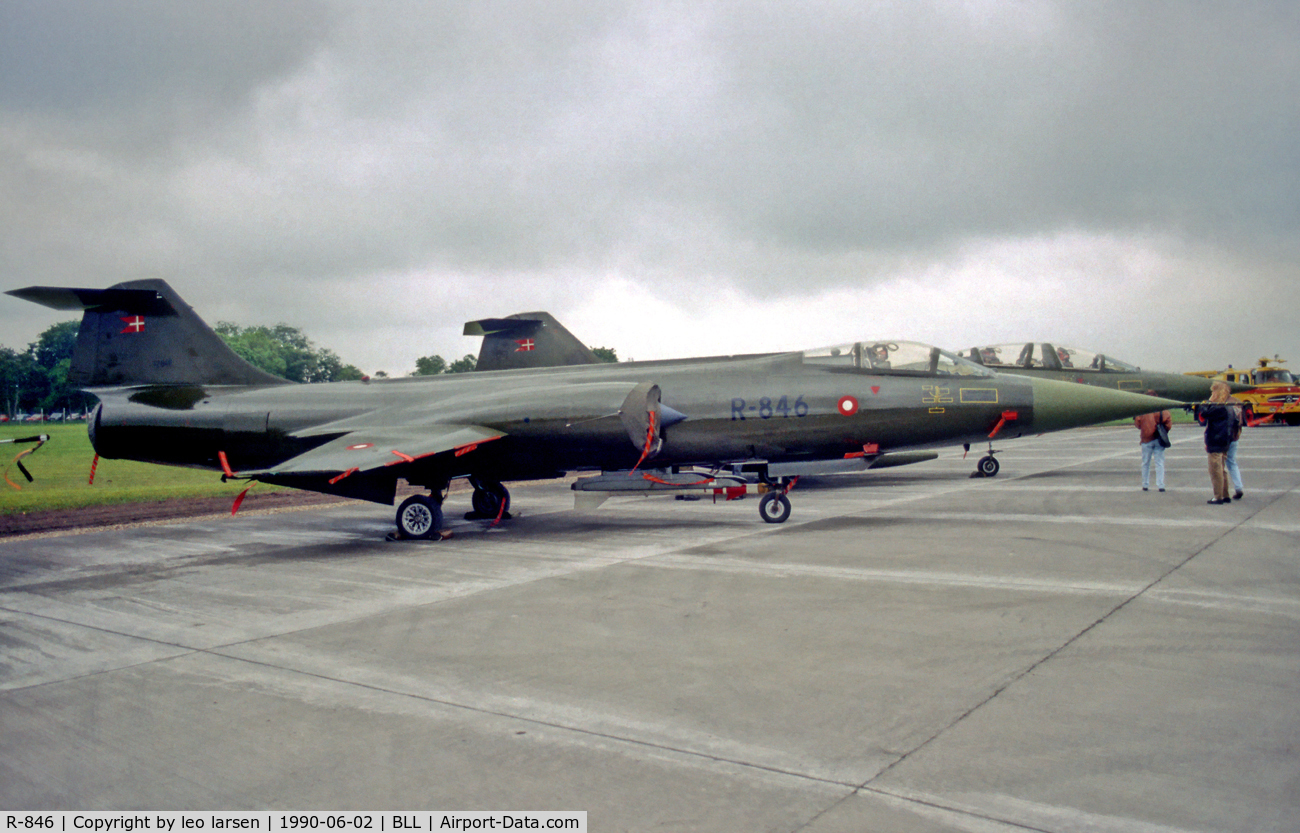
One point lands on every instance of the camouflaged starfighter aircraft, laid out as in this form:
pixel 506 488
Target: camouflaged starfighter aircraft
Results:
pixel 172 392
pixel 1071 364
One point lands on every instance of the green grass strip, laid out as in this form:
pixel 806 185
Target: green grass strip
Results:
pixel 61 469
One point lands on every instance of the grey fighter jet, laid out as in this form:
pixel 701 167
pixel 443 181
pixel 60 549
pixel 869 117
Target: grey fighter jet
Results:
pixel 171 392
pixel 1071 364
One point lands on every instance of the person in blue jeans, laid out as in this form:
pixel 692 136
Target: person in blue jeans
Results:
pixel 1230 459
pixel 1152 450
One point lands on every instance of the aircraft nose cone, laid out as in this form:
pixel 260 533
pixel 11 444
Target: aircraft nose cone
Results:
pixel 1189 388
pixel 1061 405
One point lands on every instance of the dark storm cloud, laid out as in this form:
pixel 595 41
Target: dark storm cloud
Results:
pixel 535 149
pixel 736 137
pixel 907 125
pixel 71 57
pixel 102 103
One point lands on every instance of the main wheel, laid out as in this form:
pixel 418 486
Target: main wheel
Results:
pixel 988 466
pixel 490 499
pixel 774 507
pixel 419 517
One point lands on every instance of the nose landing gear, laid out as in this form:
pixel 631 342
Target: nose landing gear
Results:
pixel 988 464
pixel 774 507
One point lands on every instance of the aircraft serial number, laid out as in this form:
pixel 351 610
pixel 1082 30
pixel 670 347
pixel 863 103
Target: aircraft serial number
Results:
pixel 766 408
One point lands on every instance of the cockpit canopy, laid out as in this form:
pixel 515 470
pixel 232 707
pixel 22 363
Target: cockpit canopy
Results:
pixel 1046 356
pixel 903 358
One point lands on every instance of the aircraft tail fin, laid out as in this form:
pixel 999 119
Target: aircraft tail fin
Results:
pixel 141 332
pixel 525 340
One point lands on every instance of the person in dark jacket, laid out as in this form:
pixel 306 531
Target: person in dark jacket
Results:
pixel 1219 420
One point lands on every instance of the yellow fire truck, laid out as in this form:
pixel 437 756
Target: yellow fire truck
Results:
pixel 1276 391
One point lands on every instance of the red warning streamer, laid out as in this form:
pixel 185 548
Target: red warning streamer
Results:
pixel 501 511
pixel 347 473
pixel 652 419
pixel 661 482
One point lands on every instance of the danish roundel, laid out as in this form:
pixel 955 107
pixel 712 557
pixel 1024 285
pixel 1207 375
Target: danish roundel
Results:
pixel 848 406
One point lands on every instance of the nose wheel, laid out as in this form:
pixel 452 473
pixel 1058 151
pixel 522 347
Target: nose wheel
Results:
pixel 988 464
pixel 774 507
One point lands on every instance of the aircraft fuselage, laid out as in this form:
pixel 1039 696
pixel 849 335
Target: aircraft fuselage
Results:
pixel 769 407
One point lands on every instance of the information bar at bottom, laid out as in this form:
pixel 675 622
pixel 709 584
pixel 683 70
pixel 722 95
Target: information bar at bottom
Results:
pixel 289 822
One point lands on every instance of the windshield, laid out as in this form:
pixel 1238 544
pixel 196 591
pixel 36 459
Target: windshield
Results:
pixel 1047 356
pixel 900 357
pixel 1274 375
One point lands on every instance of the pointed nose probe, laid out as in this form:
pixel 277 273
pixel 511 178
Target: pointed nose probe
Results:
pixel 1061 405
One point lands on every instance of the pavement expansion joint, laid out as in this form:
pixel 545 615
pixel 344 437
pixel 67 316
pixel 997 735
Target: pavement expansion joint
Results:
pixel 1067 643
pixel 564 727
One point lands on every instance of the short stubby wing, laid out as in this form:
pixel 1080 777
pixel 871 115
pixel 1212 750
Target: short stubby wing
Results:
pixel 368 451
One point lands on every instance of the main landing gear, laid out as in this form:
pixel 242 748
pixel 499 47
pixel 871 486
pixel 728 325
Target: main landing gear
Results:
pixel 491 501
pixel 419 516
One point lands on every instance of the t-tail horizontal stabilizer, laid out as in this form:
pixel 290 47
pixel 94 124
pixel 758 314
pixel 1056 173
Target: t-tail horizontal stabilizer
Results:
pixel 526 340
pixel 142 333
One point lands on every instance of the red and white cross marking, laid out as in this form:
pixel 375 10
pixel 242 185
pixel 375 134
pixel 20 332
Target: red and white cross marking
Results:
pixel 526 345
pixel 134 324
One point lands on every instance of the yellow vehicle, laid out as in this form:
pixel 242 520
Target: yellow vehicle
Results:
pixel 1276 391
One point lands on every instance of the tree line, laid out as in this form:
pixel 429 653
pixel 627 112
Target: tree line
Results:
pixel 36 380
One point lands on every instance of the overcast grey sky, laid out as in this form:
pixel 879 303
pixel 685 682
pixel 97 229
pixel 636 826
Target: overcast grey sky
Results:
pixel 668 179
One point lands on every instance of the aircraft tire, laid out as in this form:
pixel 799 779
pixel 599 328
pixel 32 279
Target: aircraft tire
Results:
pixel 419 517
pixel 488 498
pixel 774 508
pixel 988 466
